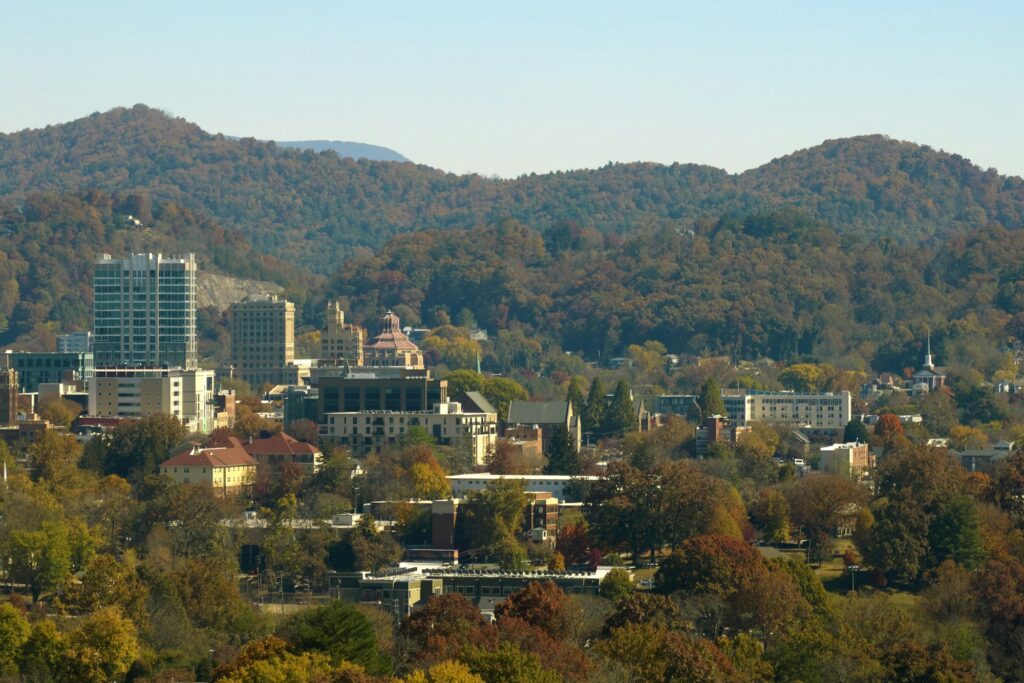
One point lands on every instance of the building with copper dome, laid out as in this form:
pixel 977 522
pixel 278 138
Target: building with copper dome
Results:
pixel 392 348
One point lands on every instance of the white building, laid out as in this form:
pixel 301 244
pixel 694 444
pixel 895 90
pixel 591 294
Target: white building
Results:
pixel 850 459
pixel 448 423
pixel 553 484
pixel 813 411
pixel 137 392
pixel 145 311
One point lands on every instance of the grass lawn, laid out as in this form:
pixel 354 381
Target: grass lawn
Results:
pixel 644 574
pixel 836 579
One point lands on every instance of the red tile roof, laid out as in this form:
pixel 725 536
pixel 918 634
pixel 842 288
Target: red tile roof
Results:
pixel 226 454
pixel 391 336
pixel 279 444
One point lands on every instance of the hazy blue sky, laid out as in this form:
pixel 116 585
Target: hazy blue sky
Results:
pixel 535 86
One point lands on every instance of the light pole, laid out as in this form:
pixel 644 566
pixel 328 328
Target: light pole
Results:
pixel 853 577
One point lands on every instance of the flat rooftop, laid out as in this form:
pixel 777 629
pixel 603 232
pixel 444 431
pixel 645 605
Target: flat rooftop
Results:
pixel 523 477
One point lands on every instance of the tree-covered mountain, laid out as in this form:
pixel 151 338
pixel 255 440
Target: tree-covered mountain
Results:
pixel 314 209
pixel 776 284
pixel 48 243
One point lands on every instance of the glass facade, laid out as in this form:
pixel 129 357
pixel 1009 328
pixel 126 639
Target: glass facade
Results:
pixel 145 311
pixel 41 368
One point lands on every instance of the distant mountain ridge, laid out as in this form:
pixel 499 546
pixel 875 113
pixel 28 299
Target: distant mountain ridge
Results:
pixel 345 150
pixel 314 209
pixel 351 150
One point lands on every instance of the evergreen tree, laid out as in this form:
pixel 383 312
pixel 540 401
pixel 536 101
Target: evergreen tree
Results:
pixel 574 395
pixel 620 416
pixel 710 399
pixel 855 431
pixel 593 416
pixel 956 534
pixel 562 458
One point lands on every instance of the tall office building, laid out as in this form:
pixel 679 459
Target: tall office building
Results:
pixel 145 311
pixel 341 341
pixel 263 339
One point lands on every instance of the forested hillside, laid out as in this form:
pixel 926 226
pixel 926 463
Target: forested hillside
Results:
pixel 772 284
pixel 314 209
pixel 776 284
pixel 48 243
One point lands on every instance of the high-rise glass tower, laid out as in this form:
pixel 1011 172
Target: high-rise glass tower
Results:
pixel 145 311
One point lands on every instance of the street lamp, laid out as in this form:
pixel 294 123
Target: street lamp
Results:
pixel 853 577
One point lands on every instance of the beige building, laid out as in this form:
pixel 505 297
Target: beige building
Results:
pixel 226 468
pixel 341 341
pixel 263 340
pixel 448 423
pixel 137 392
pixel 852 459
pixel 392 348
pixel 827 411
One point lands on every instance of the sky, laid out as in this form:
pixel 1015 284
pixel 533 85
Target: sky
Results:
pixel 520 87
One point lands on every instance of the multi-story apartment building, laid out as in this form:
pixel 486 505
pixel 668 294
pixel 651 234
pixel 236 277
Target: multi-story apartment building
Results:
pixel 263 340
pixel 145 311
pixel 35 368
pixel 137 392
pixel 372 430
pixel 74 342
pixel 341 341
pixel 826 411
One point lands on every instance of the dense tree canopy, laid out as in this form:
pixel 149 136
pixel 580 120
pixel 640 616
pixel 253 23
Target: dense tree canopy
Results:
pixel 721 264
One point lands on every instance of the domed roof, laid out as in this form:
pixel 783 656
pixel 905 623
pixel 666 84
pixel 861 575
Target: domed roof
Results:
pixel 391 336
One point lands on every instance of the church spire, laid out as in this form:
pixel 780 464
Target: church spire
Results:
pixel 928 363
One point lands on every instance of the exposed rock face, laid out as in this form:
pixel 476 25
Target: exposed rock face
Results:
pixel 220 291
